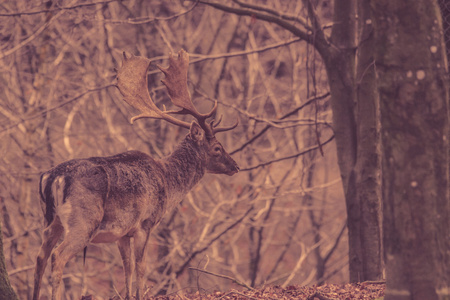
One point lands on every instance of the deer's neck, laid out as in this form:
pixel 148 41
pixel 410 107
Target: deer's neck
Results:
pixel 184 169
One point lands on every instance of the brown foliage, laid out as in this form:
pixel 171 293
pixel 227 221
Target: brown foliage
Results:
pixel 350 291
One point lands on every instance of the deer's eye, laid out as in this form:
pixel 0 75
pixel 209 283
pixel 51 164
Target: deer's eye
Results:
pixel 217 149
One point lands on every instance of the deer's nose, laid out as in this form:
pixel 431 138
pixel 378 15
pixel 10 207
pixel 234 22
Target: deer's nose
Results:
pixel 234 170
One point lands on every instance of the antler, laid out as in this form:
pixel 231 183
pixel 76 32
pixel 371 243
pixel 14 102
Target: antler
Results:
pixel 176 83
pixel 132 83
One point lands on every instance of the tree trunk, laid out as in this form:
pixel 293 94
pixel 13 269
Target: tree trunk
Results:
pixel 445 12
pixel 412 83
pixel 368 162
pixel 340 69
pixel 6 291
pixel 353 99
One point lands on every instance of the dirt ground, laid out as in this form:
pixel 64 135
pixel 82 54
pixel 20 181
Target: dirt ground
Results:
pixel 363 290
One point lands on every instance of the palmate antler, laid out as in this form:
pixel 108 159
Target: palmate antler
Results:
pixel 132 84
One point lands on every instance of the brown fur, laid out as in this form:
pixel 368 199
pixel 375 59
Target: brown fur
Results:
pixel 116 198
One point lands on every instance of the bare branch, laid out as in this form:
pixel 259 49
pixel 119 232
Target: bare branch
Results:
pixel 201 57
pixel 304 254
pixel 294 111
pixel 307 150
pixel 43 113
pixel 318 295
pixel 58 8
pixel 302 33
pixel 31 37
pixel 313 16
pixel 336 243
pixel 316 38
pixel 215 238
pixel 23 269
pixel 238 293
pixel 238 282
pixel 298 19
pixel 275 123
pixel 145 20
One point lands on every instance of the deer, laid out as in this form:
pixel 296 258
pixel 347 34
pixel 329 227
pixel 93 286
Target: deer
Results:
pixel 125 196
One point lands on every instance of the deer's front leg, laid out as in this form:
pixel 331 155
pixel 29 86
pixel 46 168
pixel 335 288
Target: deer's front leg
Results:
pixel 125 252
pixel 140 245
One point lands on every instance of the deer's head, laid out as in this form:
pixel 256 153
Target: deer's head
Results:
pixel 132 83
pixel 218 161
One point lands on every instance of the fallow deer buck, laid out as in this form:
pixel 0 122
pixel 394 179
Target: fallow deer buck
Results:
pixel 120 197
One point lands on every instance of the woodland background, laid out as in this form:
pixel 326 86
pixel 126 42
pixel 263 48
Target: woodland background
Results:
pixel 281 220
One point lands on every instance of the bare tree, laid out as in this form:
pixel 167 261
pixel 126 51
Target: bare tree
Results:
pixel 414 104
pixel 6 291
pixel 354 115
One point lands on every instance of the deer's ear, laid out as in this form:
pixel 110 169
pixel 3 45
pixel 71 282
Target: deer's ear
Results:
pixel 196 132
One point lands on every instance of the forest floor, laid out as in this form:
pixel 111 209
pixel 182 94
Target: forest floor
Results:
pixel 350 291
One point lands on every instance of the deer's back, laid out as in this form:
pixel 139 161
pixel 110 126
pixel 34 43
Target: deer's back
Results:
pixel 120 192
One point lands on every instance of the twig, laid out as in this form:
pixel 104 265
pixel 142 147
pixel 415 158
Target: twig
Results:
pixel 298 19
pixel 145 20
pixel 292 112
pixel 31 37
pixel 200 58
pixel 15 271
pixel 336 242
pixel 318 295
pixel 117 292
pixel 220 234
pixel 382 281
pixel 302 33
pixel 241 294
pixel 43 113
pixel 275 123
pixel 58 8
pixel 238 282
pixel 196 58
pixel 289 156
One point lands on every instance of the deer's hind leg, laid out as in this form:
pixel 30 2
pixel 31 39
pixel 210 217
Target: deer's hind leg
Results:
pixel 80 222
pixel 51 235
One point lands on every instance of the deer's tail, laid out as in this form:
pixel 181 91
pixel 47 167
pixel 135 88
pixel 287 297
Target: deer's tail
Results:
pixel 46 192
